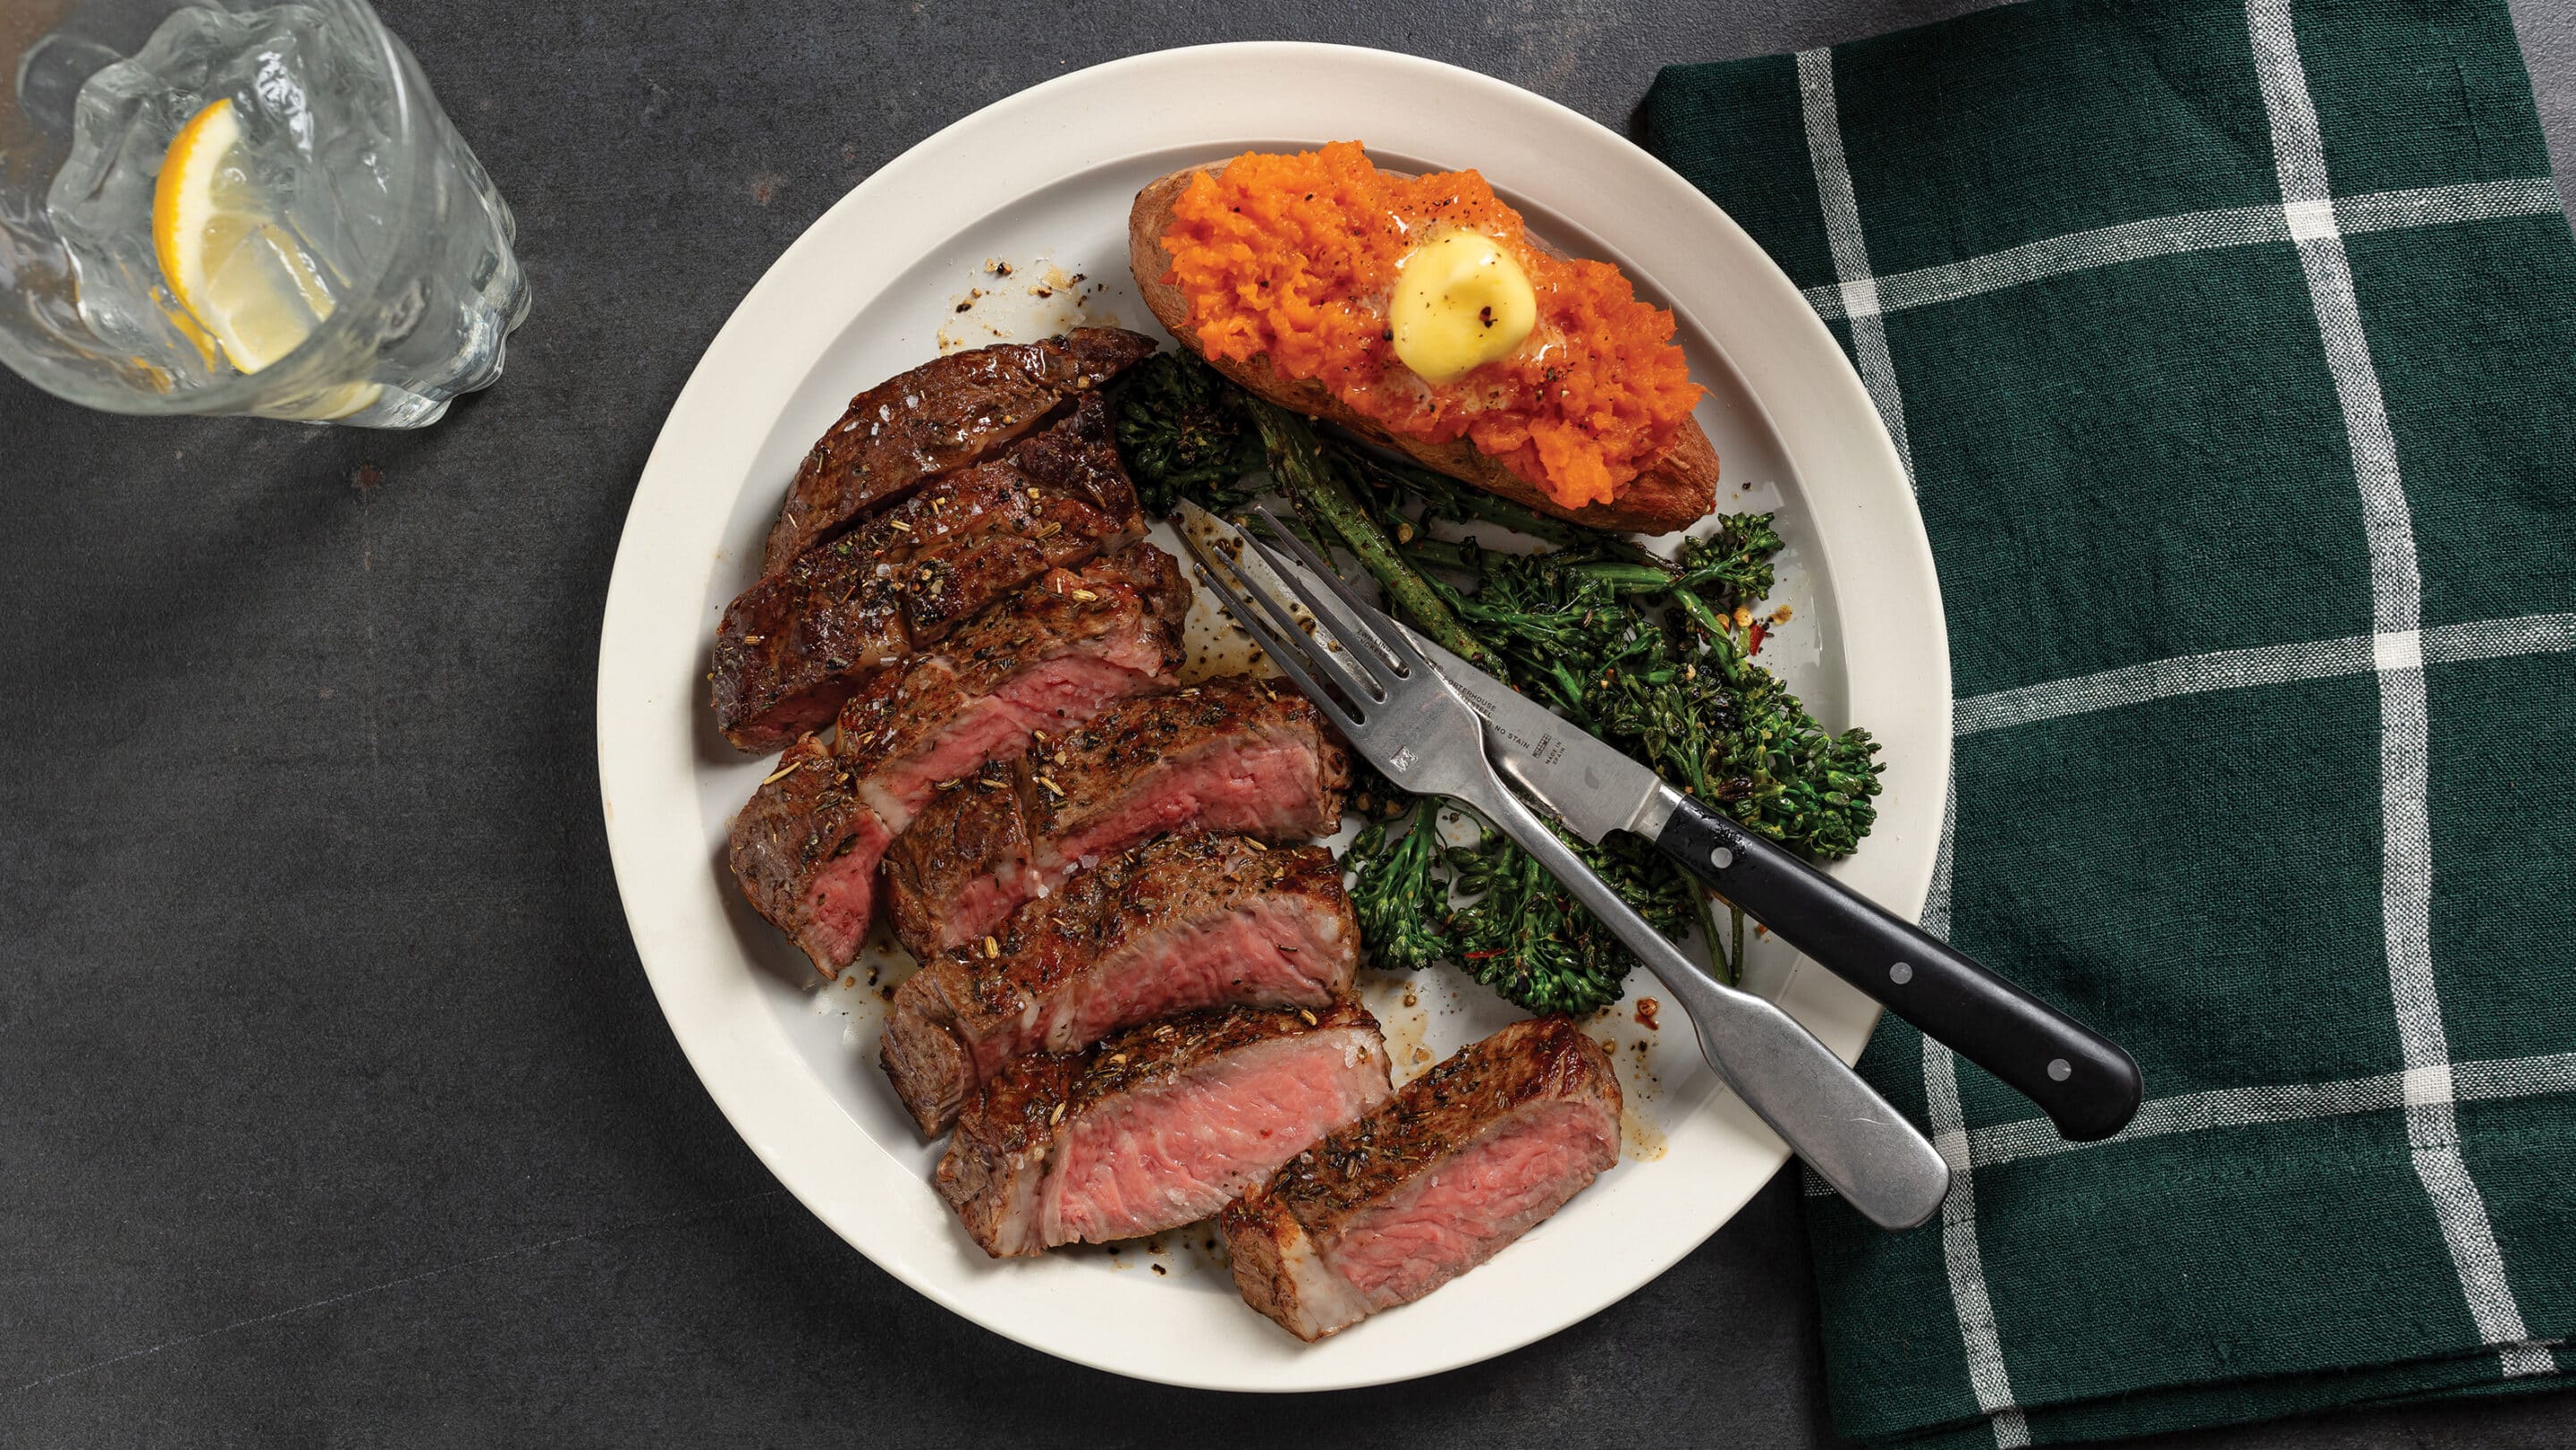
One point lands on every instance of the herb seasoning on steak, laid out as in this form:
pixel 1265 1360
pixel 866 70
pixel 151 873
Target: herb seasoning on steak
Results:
pixel 1235 754
pixel 945 414
pixel 794 645
pixel 1439 1178
pixel 1185 922
pixel 1155 1127
pixel 805 850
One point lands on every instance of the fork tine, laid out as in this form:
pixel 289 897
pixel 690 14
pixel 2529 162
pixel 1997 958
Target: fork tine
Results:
pixel 1350 673
pixel 1346 614
pixel 1315 564
pixel 1291 659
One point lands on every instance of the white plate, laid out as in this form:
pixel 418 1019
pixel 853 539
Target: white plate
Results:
pixel 1044 178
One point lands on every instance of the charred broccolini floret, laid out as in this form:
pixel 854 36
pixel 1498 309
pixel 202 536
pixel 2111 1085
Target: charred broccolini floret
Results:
pixel 1184 434
pixel 1521 935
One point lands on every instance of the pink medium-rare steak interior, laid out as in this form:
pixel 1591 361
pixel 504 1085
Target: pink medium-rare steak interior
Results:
pixel 841 904
pixel 1266 952
pixel 1522 1170
pixel 1444 1174
pixel 1258 783
pixel 1230 755
pixel 1176 1153
pixel 1185 922
pixel 1233 754
pixel 1147 1130
pixel 1046 661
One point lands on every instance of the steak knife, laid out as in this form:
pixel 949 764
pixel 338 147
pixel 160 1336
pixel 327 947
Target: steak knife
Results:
pixel 2087 1084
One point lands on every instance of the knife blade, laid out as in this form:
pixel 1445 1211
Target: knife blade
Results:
pixel 1590 788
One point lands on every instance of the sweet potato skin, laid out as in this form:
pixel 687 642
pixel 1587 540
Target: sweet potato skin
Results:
pixel 1676 490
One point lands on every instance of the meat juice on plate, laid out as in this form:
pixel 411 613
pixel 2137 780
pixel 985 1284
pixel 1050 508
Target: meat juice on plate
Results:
pixel 245 176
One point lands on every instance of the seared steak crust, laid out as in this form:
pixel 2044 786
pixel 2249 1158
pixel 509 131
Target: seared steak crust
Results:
pixel 1099 766
pixel 970 537
pixel 1185 922
pixel 968 847
pixel 942 415
pixel 1015 1134
pixel 1437 1113
pixel 793 645
pixel 1293 1237
pixel 805 821
pixel 1232 754
pixel 1124 610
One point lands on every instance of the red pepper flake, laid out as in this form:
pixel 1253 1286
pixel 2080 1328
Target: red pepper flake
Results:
pixel 1754 637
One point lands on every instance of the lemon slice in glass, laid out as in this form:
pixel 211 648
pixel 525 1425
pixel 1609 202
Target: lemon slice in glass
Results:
pixel 230 261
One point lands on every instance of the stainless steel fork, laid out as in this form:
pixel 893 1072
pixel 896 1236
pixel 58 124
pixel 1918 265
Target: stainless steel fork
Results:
pixel 1366 676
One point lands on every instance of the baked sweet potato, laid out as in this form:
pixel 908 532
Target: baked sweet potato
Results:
pixel 1668 494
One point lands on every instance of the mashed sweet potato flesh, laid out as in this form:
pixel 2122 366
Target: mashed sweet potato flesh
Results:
pixel 1294 258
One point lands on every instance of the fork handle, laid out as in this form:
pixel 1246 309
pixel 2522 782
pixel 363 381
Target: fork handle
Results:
pixel 1810 1097
pixel 2086 1083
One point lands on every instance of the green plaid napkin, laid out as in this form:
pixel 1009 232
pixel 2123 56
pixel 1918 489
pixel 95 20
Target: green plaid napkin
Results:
pixel 2233 351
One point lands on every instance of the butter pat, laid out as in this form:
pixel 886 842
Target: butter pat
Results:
pixel 1460 302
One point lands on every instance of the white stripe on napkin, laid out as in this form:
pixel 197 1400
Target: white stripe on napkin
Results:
pixel 2240 669
pixel 2406 844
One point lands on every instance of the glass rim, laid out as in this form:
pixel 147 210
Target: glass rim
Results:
pixel 307 367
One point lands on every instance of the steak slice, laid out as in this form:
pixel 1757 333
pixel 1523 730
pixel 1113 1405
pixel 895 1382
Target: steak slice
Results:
pixel 1187 922
pixel 804 851
pixel 794 645
pixel 945 414
pixel 1155 1127
pixel 1233 754
pixel 1050 659
pixel 1466 1158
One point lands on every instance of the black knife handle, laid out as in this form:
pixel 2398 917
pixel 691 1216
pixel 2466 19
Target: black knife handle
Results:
pixel 2086 1084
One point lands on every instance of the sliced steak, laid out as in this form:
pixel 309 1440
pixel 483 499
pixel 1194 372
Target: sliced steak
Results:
pixel 1157 1126
pixel 1234 754
pixel 1186 922
pixel 942 415
pixel 796 644
pixel 806 848
pixel 1460 1162
pixel 1050 659
pixel 805 852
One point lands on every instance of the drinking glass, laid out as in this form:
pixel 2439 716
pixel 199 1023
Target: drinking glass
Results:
pixel 381 237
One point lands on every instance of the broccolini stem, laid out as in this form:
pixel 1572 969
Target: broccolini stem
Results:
pixel 1628 578
pixel 1441 552
pixel 1701 614
pixel 1727 970
pixel 1458 502
pixel 1297 461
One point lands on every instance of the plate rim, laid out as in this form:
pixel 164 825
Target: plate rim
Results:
pixel 741 1071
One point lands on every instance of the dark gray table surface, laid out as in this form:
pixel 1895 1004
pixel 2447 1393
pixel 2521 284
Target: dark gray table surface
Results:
pixel 334 1109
